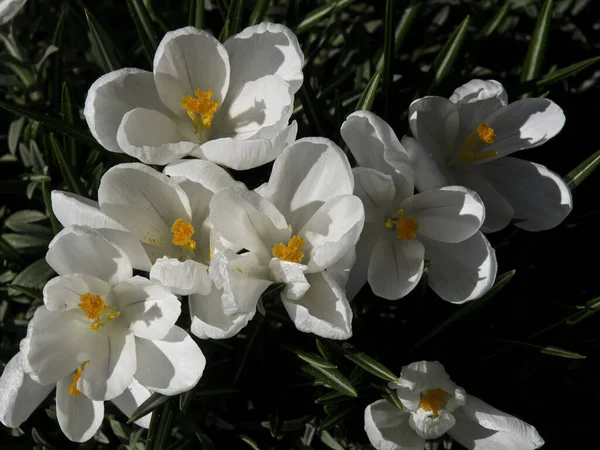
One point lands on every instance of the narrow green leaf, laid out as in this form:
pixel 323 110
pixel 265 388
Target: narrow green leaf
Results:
pixel 591 307
pixel 108 60
pixel 494 22
pixel 334 418
pixel 311 108
pixel 35 294
pixel 314 17
pixel 408 17
pixel 555 351
pixel 312 359
pixel 9 252
pixel 259 12
pixel 68 116
pixel 145 28
pixel 26 221
pixel 367 98
pixel 56 226
pixel 154 401
pixel 253 445
pixel 537 47
pixel 14 134
pixel 71 178
pixel 576 176
pixel 197 14
pixel 388 55
pixel 35 276
pixel 445 59
pixel 332 397
pixel 333 378
pixel 223 8
pixel 275 422
pixel 184 400
pixel 224 32
pixel 389 395
pixel 565 72
pixel 164 427
pixel 369 364
pixel 323 350
pixel 234 15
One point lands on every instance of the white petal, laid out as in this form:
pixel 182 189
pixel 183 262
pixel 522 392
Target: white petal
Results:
pixel 524 124
pixel 72 209
pixel 150 309
pixel 152 137
pixel 9 9
pixel 388 429
pixel 422 375
pixel 431 427
pixel 428 173
pixel 307 174
pixel 247 154
pixel 147 203
pixel 364 249
pixel 171 365
pixel 376 191
pixel 323 310
pixel 396 266
pixel 19 394
pixel 78 249
pixel 209 320
pixel 332 231
pixel 111 367
pixel 114 94
pixel 130 399
pixel 461 272
pixel 449 214
pixel 375 145
pixel 539 197
pixel 434 122
pixel 265 49
pixel 340 271
pixel 181 277
pixel 62 293
pixel 292 274
pixel 78 416
pixel 203 173
pixel 189 59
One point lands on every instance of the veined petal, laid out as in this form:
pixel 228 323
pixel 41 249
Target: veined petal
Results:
pixel 209 319
pixel 428 173
pixel 78 416
pixel 130 399
pixel 293 275
pixel 78 249
pixel 181 277
pixel 63 293
pixel 434 121
pixel 171 365
pixel 187 59
pixel 388 429
pixel 204 174
pixel 429 426
pixel 376 191
pixel 364 249
pixel 422 375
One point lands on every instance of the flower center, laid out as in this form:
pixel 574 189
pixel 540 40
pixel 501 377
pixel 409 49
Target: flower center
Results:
pixel 76 376
pixel 201 109
pixel 94 308
pixel 405 229
pixel 433 400
pixel 182 234
pixel 290 252
pixel 484 135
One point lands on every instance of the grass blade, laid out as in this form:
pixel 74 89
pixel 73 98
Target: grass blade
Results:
pixel 333 378
pixel 197 14
pixel 576 176
pixel 445 59
pixel 388 55
pixel 56 226
pixel 565 72
pixel 537 46
pixel 259 12
pixel 154 401
pixel 311 108
pixel 108 60
pixel 145 28
pixel 68 116
pixel 71 179
pixel 494 22
pixel 408 17
pixel 315 16
pixel 368 96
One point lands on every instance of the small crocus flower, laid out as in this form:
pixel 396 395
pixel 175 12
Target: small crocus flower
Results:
pixel 402 229
pixel 466 140
pixel 433 406
pixel 78 416
pixel 228 103
pixel 100 319
pixel 9 9
pixel 302 225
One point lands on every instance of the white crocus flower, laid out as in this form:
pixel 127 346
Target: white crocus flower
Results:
pixel 466 139
pixel 402 229
pixel 434 405
pixel 228 103
pixel 9 9
pixel 79 417
pixel 303 226
pixel 112 326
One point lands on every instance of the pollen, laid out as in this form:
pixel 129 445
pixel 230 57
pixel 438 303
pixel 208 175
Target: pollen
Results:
pixel 76 376
pixel 92 305
pixel 182 234
pixel 486 133
pixel 483 135
pixel 290 252
pixel 405 228
pixel 201 109
pixel 433 400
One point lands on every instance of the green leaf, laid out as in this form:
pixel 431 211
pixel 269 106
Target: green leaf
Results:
pixel 154 401
pixel 197 14
pixel 68 116
pixel 145 28
pixel 335 417
pixel 388 55
pixel 35 294
pixel 312 108
pixel 14 134
pixel 408 17
pixel 234 16
pixel 56 226
pixel 259 12
pixel 71 178
pixel 108 60
pixel 537 47
pixel 576 176
pixel 445 59
pixel 590 308
pixel 312 359
pixel 333 378
pixel 253 445
pixel 224 32
pixel 329 441
pixel 23 243
pixel 565 72
pixel 314 17
pixel 555 351
pixel 34 276
pixel 369 364
pixel 10 252
pixel 332 397
pixel 390 395
pixel 494 22
pixel 24 221
pixel 367 98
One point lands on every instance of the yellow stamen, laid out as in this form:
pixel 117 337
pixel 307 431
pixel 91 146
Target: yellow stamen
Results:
pixel 182 234
pixel 486 133
pixel 405 228
pixel 290 252
pixel 433 400
pixel 76 376
pixel 201 109
pixel 91 305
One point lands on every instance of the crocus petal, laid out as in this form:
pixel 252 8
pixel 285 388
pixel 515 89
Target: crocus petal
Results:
pixel 150 309
pixel 62 293
pixel 434 122
pixel 111 367
pixel 209 320
pixel 171 365
pixel 388 429
pixel 422 375
pixel 480 426
pixel 112 96
pixel 187 59
pixel 9 9
pixel 247 154
pixel 428 173
pixel 461 272
pixel 204 174
pixel 323 310
pixel 307 174
pixel 78 249
pixel 265 49
pixel 429 426
pixel 449 214
pixel 524 124
pixel 376 191
pixel 181 277
pixel 78 416
pixel 340 271
pixel 152 137
pixel 396 266
pixel 332 231
pixel 364 249
pixel 19 394
pixel 130 399
pixel 539 197
pixel 293 275
pixel 72 209
pixel 374 144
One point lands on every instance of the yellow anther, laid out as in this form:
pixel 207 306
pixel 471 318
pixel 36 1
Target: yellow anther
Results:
pixel 201 109
pixel 92 305
pixel 290 252
pixel 433 400
pixel 114 315
pixel 389 224
pixel 486 133
pixel 76 376
pixel 182 234
pixel 405 228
